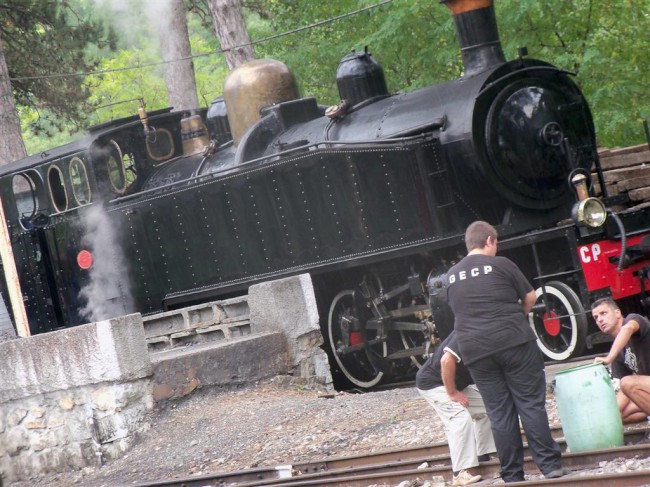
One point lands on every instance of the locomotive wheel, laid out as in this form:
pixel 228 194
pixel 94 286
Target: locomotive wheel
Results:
pixel 561 331
pixel 356 365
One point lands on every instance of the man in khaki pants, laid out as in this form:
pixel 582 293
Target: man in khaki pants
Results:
pixel 446 384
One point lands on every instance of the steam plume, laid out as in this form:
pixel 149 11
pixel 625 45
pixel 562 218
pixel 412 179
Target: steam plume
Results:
pixel 106 294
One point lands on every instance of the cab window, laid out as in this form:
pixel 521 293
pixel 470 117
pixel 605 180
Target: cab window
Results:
pixel 115 166
pixel 56 185
pixel 160 145
pixel 24 190
pixel 120 167
pixel 79 180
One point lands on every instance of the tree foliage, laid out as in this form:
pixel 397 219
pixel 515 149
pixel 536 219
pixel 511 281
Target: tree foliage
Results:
pixel 603 42
pixel 45 38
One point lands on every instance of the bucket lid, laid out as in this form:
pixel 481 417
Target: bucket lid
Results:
pixel 581 367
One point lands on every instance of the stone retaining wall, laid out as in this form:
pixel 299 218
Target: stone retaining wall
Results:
pixel 183 342
pixel 73 397
pixel 289 305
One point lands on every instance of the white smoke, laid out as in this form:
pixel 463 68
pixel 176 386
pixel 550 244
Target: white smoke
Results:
pixel 128 11
pixel 131 17
pixel 107 294
pixel 158 9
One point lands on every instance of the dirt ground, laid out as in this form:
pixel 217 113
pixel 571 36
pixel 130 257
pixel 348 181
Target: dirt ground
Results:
pixel 277 422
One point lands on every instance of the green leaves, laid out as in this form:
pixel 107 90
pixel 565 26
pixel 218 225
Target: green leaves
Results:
pixel 47 37
pixel 604 42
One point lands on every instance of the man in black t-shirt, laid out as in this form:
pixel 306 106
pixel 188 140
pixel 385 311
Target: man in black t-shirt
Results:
pixel 629 358
pixel 446 384
pixel 491 298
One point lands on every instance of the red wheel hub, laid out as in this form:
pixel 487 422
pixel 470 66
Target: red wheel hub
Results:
pixel 552 323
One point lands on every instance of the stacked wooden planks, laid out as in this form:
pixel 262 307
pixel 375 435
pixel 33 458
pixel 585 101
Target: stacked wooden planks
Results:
pixel 626 170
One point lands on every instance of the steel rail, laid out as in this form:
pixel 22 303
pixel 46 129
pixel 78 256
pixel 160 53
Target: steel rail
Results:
pixel 628 479
pixel 434 449
pixel 576 479
pixel 398 465
pixel 441 466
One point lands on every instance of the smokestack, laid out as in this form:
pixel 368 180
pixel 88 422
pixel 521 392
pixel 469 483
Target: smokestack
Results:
pixel 478 36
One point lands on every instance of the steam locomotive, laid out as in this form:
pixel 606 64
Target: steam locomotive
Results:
pixel 371 197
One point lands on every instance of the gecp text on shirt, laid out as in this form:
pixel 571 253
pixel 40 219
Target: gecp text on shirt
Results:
pixel 473 272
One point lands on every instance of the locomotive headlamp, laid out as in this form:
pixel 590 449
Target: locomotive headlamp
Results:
pixel 590 212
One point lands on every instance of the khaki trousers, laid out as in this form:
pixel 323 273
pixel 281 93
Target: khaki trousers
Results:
pixel 468 429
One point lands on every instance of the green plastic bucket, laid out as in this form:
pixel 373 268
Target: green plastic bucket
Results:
pixel 588 411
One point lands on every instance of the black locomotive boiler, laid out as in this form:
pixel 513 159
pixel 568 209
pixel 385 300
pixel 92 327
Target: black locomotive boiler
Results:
pixel 371 197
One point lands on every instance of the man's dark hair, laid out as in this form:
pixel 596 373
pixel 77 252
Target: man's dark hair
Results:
pixel 606 300
pixel 477 234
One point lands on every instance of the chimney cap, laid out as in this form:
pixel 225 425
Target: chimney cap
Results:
pixel 462 6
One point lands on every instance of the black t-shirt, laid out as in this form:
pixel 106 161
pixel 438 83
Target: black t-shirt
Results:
pixel 635 357
pixel 430 374
pixel 484 293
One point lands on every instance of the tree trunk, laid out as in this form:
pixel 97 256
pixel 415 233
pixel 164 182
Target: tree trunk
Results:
pixel 176 52
pixel 231 31
pixel 12 146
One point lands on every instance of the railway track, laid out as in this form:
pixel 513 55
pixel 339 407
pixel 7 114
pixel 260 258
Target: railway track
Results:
pixel 424 463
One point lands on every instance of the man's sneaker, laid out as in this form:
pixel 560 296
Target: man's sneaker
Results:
pixel 556 474
pixel 465 478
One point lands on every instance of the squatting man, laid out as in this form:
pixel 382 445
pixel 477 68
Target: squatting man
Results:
pixel 629 358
